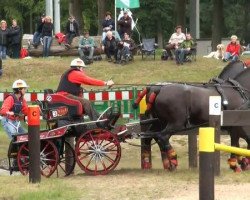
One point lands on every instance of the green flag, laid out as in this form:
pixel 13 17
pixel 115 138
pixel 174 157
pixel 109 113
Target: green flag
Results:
pixel 127 4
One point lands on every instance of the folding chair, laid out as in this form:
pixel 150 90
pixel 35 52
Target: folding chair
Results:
pixel 148 47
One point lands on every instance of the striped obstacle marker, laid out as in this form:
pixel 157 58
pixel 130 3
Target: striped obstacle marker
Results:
pixel 101 100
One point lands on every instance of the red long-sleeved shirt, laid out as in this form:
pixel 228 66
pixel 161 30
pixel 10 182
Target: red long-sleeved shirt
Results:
pixel 80 77
pixel 8 104
pixel 233 48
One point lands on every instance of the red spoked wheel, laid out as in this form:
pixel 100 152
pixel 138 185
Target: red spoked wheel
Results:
pixel 48 158
pixel 23 159
pixel 98 152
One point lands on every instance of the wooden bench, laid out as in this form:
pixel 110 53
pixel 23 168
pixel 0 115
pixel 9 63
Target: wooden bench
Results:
pixel 57 49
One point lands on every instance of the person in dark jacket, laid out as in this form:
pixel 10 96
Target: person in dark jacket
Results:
pixel 70 86
pixel 38 34
pixel 47 35
pixel 108 24
pixel 125 48
pixel 15 39
pixel 109 46
pixel 125 24
pixel 72 30
pixel 4 32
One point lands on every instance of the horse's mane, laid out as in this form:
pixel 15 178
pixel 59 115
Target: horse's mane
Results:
pixel 232 69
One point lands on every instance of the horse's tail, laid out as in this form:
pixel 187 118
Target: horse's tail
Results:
pixel 140 97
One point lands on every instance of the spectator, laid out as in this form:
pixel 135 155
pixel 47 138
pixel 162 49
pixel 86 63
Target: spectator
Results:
pixel 125 48
pixel 15 39
pixel 125 24
pixel 38 34
pixel 72 30
pixel 108 24
pixel 233 50
pixel 184 49
pixel 110 46
pixel 14 106
pixel 1 67
pixel 86 46
pixel 47 35
pixel 175 40
pixel 70 86
pixel 4 32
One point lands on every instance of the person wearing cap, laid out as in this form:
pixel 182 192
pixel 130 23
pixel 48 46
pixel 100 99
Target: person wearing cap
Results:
pixel 86 47
pixel 4 33
pixel 70 86
pixel 125 23
pixel 13 108
pixel 38 34
pixel 233 50
pixel 71 31
pixel 108 24
pixel 175 40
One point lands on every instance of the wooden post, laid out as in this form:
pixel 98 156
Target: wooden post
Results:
pixel 206 159
pixel 34 143
pixel 192 150
pixel 214 121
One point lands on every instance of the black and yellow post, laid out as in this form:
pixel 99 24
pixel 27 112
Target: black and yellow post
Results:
pixel 34 143
pixel 206 160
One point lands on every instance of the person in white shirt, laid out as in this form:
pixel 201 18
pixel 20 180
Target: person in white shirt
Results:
pixel 175 40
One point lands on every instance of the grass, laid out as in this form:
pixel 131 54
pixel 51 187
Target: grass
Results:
pixel 45 73
pixel 127 181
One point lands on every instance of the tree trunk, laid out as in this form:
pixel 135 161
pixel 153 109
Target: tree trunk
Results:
pixel 246 30
pixel 75 9
pixel 159 34
pixel 180 7
pixel 101 13
pixel 218 22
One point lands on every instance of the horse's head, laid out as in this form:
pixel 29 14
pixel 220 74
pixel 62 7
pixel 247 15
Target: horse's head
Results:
pixel 232 69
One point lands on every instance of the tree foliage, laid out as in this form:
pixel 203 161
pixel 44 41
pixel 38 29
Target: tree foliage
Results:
pixel 153 16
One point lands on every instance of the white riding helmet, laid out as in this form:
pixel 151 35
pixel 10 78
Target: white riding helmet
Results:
pixel 77 63
pixel 19 84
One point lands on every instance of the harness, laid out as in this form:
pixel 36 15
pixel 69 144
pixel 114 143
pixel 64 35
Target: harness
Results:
pixel 17 106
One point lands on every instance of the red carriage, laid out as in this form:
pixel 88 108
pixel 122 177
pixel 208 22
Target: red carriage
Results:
pixel 94 145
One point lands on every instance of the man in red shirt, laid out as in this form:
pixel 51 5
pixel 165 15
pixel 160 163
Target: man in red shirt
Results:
pixel 70 86
pixel 233 50
pixel 14 106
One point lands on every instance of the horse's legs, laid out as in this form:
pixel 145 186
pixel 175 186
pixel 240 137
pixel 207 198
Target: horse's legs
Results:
pixel 233 160
pixel 168 154
pixel 146 162
pixel 245 161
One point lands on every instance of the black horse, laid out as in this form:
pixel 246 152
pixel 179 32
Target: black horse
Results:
pixel 179 107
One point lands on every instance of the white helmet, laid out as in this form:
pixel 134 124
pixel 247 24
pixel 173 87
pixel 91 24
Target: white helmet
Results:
pixel 77 63
pixel 19 84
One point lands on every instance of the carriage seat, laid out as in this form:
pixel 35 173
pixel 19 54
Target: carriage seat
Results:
pixel 62 107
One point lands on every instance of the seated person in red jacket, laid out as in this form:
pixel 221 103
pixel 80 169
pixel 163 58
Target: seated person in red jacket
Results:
pixel 70 86
pixel 233 50
pixel 14 106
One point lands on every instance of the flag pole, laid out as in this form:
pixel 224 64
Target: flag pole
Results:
pixel 115 16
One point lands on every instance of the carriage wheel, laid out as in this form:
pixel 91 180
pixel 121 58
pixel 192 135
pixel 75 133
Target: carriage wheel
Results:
pixel 98 152
pixel 23 159
pixel 67 161
pixel 48 158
